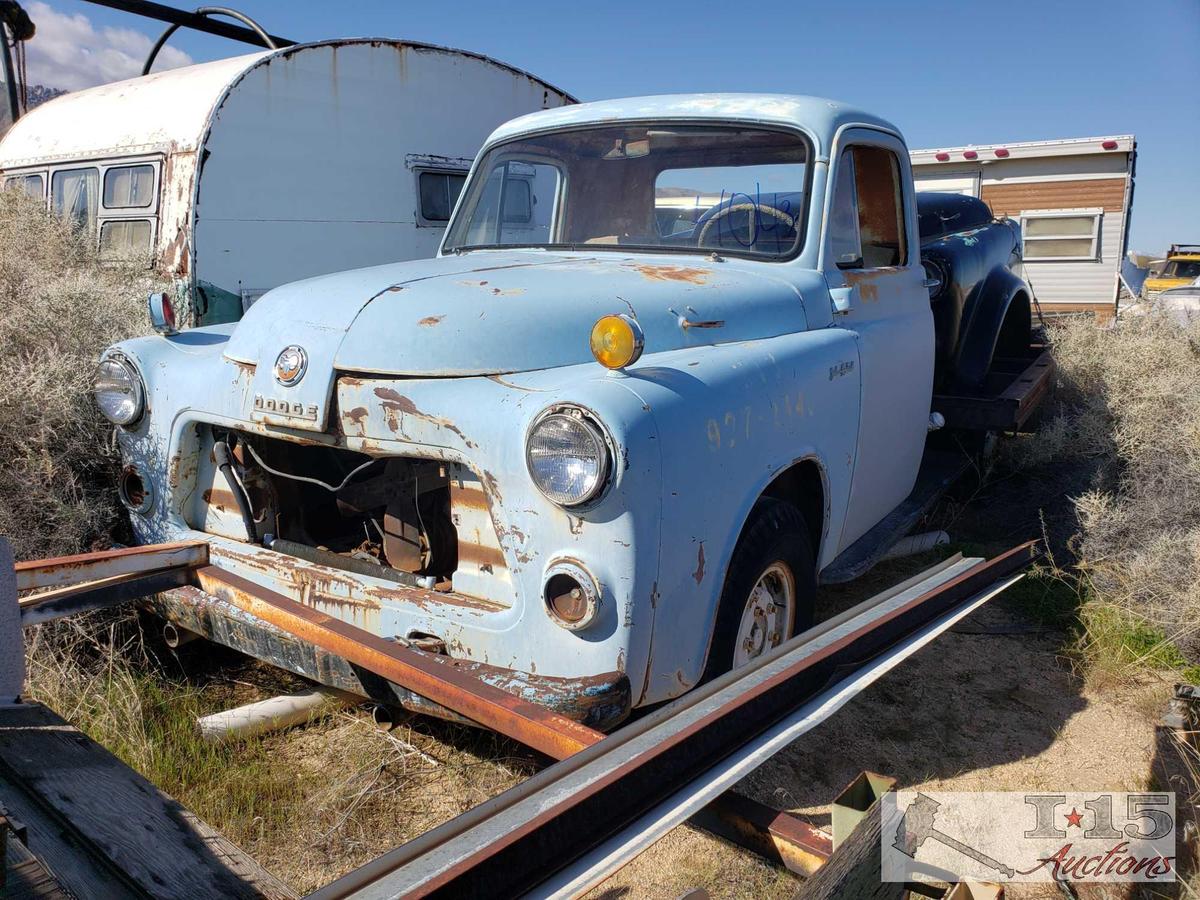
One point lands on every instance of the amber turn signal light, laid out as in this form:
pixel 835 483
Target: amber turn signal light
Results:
pixel 617 341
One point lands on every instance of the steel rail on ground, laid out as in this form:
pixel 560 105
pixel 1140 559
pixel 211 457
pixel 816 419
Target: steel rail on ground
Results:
pixel 513 843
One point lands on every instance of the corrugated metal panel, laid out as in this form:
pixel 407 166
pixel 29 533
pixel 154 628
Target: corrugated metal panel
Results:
pixel 1012 199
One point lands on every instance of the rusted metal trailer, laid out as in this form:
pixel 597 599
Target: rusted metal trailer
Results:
pixel 609 796
pixel 241 174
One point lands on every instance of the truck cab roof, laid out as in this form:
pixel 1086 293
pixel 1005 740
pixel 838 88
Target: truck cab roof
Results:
pixel 818 117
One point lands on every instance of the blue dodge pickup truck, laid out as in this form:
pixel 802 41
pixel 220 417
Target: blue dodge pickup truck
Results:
pixel 679 360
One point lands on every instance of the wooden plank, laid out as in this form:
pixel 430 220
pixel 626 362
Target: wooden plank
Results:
pixel 26 877
pixel 150 844
pixel 78 871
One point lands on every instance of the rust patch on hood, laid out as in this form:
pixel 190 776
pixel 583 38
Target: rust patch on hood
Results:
pixel 429 321
pixel 688 274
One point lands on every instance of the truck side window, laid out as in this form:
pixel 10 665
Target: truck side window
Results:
pixel 867 218
pixel 844 240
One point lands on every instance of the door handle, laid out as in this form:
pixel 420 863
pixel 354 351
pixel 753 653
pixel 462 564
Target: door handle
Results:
pixel 843 299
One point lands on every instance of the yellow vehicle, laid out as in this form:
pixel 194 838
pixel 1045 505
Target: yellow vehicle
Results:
pixel 1181 269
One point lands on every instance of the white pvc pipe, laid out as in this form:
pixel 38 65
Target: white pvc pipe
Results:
pixel 273 714
pixel 917 543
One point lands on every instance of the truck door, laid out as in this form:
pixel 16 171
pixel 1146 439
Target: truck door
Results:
pixel 871 261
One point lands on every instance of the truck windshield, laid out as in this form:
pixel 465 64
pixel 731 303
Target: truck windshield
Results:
pixel 1182 268
pixel 684 188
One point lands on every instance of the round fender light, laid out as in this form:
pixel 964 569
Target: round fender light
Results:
pixel 571 595
pixel 134 492
pixel 617 341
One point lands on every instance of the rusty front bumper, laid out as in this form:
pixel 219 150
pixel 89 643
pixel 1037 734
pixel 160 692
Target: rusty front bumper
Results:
pixel 600 702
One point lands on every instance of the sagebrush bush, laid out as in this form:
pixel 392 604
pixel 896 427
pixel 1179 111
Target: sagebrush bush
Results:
pixel 59 308
pixel 1128 401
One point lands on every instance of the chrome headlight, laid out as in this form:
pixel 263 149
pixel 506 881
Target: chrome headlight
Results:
pixel 567 456
pixel 118 390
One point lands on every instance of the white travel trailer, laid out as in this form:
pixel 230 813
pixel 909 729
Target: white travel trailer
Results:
pixel 242 174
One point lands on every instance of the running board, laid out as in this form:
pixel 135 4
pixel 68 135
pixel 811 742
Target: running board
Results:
pixel 939 470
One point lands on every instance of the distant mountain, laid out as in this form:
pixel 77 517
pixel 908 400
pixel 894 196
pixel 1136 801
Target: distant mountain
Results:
pixel 37 94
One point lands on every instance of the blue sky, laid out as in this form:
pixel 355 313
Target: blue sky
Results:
pixel 947 73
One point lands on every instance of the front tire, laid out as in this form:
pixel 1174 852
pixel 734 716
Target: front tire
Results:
pixel 770 588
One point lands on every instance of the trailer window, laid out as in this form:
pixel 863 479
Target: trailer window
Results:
pixel 1061 235
pixel 74 193
pixel 129 187
pixel 439 192
pixel 125 238
pixel 33 186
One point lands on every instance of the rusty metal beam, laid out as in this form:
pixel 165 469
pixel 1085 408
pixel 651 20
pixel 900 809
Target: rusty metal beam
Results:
pixel 438 678
pixel 773 834
pixel 75 584
pixel 453 684
pixel 64 571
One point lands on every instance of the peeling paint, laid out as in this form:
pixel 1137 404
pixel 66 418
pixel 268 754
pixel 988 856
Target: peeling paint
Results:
pixel 688 274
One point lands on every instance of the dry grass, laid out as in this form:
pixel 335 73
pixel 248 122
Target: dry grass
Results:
pixel 59 307
pixel 310 803
pixel 1128 405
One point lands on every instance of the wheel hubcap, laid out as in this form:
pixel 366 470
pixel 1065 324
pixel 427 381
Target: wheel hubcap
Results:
pixel 769 614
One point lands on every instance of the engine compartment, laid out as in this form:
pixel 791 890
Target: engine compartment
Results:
pixel 398 518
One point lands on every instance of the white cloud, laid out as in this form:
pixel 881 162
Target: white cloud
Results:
pixel 68 52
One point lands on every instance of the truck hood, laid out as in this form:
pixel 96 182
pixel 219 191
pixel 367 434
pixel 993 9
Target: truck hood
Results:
pixel 495 312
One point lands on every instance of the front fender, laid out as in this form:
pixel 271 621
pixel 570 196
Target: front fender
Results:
pixel 983 319
pixel 729 419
